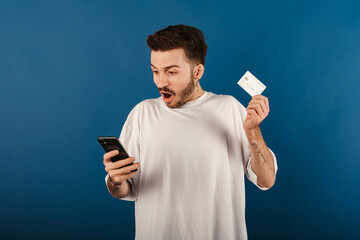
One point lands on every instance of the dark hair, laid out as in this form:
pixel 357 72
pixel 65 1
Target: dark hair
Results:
pixel 191 39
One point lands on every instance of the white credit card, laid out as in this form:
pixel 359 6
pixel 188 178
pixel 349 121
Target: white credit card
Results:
pixel 251 84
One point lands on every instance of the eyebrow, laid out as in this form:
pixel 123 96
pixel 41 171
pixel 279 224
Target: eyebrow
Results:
pixel 168 67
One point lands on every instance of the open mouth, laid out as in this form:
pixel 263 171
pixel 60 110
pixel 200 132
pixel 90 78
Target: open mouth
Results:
pixel 166 96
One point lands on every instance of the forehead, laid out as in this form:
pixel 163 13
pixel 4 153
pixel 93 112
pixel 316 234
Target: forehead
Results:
pixel 162 59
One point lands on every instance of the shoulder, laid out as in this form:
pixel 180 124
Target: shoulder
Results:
pixel 221 97
pixel 226 100
pixel 148 103
pixel 227 105
pixel 144 106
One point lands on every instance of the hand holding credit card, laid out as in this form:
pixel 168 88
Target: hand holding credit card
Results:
pixel 251 84
pixel 258 108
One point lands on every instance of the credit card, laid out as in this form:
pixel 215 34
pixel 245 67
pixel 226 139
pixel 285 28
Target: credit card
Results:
pixel 251 84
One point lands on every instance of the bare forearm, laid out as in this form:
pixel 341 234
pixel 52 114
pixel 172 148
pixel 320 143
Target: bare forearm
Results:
pixel 262 161
pixel 118 191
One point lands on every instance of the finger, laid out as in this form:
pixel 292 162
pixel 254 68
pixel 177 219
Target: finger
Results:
pixel 122 178
pixel 107 156
pixel 124 170
pixel 262 101
pixel 257 107
pixel 253 116
pixel 118 164
pixel 263 98
pixel 123 162
pixel 267 104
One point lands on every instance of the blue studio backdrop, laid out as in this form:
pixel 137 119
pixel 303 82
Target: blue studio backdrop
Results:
pixel 71 71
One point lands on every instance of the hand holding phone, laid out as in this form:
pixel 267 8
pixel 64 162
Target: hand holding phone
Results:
pixel 117 162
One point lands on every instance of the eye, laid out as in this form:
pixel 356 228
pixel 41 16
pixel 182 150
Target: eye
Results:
pixel 155 71
pixel 171 72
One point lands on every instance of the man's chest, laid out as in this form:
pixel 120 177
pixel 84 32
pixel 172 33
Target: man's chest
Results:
pixel 185 133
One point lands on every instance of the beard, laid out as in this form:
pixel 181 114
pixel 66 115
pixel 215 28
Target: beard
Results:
pixel 184 94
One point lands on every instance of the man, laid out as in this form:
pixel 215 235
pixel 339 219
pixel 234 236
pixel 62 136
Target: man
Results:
pixel 194 148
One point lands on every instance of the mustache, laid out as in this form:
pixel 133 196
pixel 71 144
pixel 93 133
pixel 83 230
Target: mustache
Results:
pixel 165 89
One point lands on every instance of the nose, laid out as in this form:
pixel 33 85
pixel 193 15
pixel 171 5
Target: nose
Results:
pixel 163 81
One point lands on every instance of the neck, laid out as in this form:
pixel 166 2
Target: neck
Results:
pixel 198 92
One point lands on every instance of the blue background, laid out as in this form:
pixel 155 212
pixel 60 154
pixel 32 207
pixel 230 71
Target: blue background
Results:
pixel 72 70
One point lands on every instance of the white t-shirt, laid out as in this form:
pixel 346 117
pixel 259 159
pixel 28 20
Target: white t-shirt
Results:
pixel 193 159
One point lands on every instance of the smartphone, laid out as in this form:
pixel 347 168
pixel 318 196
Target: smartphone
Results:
pixel 112 143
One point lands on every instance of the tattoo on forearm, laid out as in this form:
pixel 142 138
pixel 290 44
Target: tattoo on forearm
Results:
pixel 258 151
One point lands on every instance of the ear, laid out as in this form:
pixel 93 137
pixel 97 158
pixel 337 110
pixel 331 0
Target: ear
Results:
pixel 198 71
